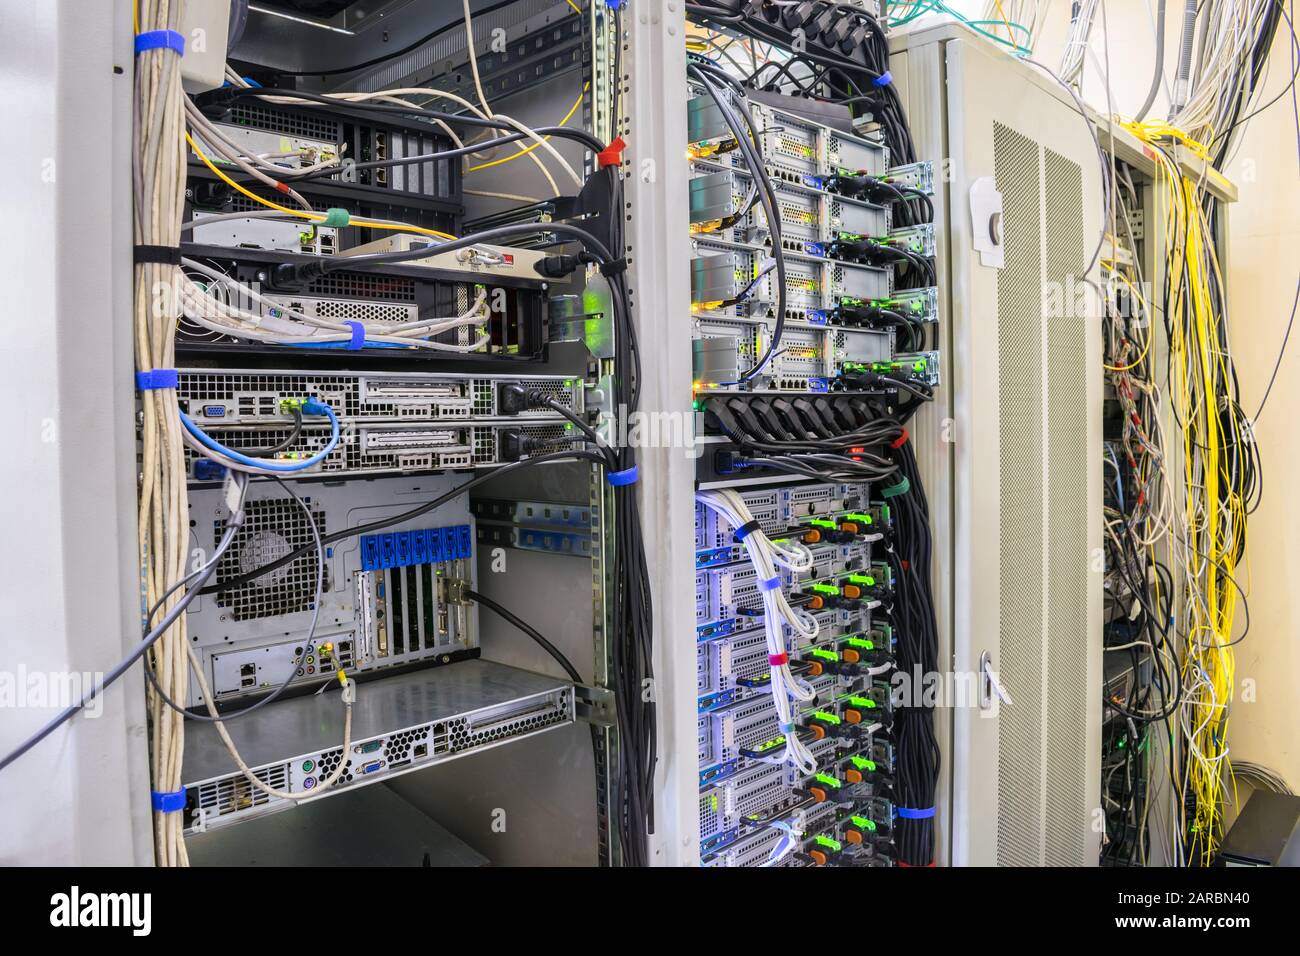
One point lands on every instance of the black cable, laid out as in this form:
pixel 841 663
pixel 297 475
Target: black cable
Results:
pixel 528 629
pixel 191 714
pixel 280 446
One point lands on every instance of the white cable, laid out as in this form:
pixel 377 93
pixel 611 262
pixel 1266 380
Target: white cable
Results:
pixel 765 555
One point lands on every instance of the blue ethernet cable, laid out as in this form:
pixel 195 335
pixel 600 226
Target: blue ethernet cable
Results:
pixel 309 407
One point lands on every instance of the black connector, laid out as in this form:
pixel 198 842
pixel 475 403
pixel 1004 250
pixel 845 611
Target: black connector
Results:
pixel 512 399
pixel 557 267
pixel 513 444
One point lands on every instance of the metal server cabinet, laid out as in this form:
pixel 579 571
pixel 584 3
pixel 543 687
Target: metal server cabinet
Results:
pixel 1009 451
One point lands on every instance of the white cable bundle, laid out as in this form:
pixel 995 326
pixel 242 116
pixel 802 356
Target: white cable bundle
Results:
pixel 1076 43
pixel 211 307
pixel 766 555
pixel 163 535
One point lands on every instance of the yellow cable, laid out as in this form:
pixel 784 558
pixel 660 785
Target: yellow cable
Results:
pixel 303 213
pixel 1006 23
pixel 524 151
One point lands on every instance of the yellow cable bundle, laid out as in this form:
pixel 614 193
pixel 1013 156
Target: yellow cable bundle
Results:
pixel 1215 510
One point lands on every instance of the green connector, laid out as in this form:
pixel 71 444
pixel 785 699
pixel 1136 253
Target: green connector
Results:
pixel 828 780
pixel 823 840
pixel 862 763
pixel 858 516
pixel 824 654
pixel 825 717
pixel 289 404
pixel 862 823
pixel 861 643
pixel 864 702
pixel 865 580
pixel 825 589
pixel 822 523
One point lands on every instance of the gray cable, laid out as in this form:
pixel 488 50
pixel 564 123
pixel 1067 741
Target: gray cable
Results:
pixel 1158 75
pixel 199 579
pixel 1188 42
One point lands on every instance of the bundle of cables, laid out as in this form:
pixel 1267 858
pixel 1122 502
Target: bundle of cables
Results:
pixel 1138 510
pixel 839 54
pixel 1221 482
pixel 917 652
pixel 829 437
pixel 787 690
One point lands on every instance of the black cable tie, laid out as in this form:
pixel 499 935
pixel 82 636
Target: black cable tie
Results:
pixel 163 255
pixel 613 267
pixel 745 530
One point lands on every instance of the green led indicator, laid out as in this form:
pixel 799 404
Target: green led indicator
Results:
pixel 862 823
pixel 769 744
pixel 713 802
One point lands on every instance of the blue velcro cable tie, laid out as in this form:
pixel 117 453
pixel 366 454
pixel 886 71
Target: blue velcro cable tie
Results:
pixel 628 477
pixel 358 335
pixel 167 802
pixel 907 813
pixel 160 40
pixel 156 378
pixel 771 584
pixel 884 79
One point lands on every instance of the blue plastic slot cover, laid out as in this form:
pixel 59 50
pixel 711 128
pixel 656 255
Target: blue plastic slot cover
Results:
pixel 399 549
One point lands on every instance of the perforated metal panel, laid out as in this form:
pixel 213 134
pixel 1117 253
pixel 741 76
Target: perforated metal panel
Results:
pixel 273 527
pixel 1020 410
pixel 1069 454
pixel 1026 501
